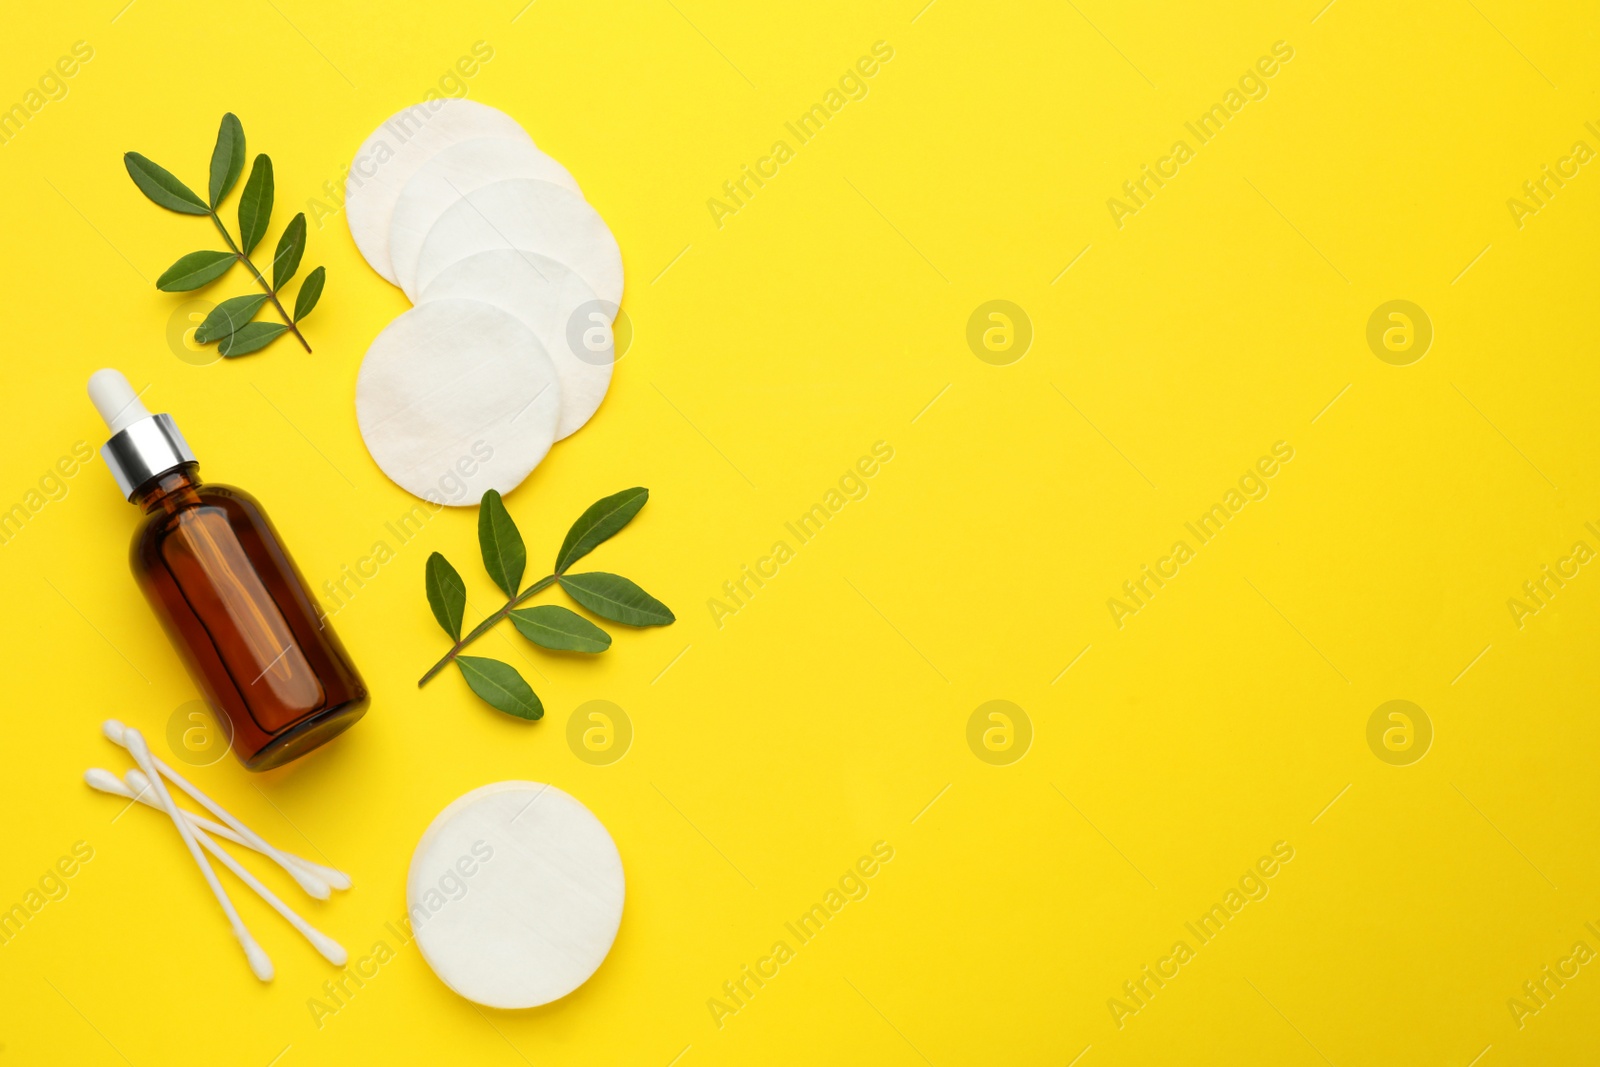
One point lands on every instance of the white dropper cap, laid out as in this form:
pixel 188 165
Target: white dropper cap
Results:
pixel 142 446
pixel 115 399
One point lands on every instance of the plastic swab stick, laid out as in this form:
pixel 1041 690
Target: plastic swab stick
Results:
pixel 260 963
pixel 103 780
pixel 116 732
pixel 330 949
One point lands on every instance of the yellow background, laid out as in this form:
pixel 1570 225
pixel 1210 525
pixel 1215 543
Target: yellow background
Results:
pixel 770 354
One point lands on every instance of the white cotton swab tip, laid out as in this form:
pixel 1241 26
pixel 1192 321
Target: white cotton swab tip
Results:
pixel 114 731
pixel 315 887
pixel 331 950
pixel 103 780
pixel 260 962
pixel 336 879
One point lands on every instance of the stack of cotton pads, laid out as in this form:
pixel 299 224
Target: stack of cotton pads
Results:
pixel 515 280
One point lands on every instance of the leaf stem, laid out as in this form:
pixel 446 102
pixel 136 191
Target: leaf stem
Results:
pixel 477 631
pixel 271 293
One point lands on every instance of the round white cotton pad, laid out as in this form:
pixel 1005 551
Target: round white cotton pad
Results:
pixel 533 216
pixel 456 397
pixel 395 151
pixel 515 894
pixel 558 306
pixel 446 177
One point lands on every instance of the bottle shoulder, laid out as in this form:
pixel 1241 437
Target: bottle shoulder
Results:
pixel 220 493
pixel 233 505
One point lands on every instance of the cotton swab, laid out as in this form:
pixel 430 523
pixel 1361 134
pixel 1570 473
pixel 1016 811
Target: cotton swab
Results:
pixel 330 949
pixel 260 962
pixel 138 788
pixel 106 782
pixel 116 732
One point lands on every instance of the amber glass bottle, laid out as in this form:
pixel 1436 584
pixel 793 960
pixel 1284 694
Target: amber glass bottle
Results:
pixel 228 594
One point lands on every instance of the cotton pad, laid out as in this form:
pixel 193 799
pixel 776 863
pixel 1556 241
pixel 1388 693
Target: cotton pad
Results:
pixel 386 161
pixel 557 305
pixel 446 177
pixel 533 216
pixel 456 397
pixel 515 894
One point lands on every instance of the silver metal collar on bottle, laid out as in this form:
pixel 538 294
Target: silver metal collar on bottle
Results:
pixel 144 450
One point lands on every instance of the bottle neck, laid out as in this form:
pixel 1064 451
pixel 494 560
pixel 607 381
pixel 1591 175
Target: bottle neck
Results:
pixel 169 492
pixel 144 450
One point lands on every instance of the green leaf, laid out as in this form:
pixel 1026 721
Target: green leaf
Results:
pixel 504 555
pixel 554 626
pixel 227 158
pixel 613 597
pixel 603 519
pixel 447 594
pixel 228 316
pixel 310 292
pixel 255 204
pixel 194 270
pixel 160 186
pixel 500 686
pixel 286 260
pixel 249 337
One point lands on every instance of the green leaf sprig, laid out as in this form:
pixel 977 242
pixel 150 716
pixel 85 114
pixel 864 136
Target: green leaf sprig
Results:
pixel 610 596
pixel 230 323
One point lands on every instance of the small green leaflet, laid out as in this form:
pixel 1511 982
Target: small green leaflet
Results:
pixel 249 337
pixel 255 205
pixel 549 626
pixel 286 260
pixel 310 292
pixel 447 594
pixel 160 186
pixel 501 686
pixel 228 316
pixel 227 158
pixel 504 555
pixel 554 626
pixel 231 323
pixel 194 270
pixel 603 519
pixel 613 597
